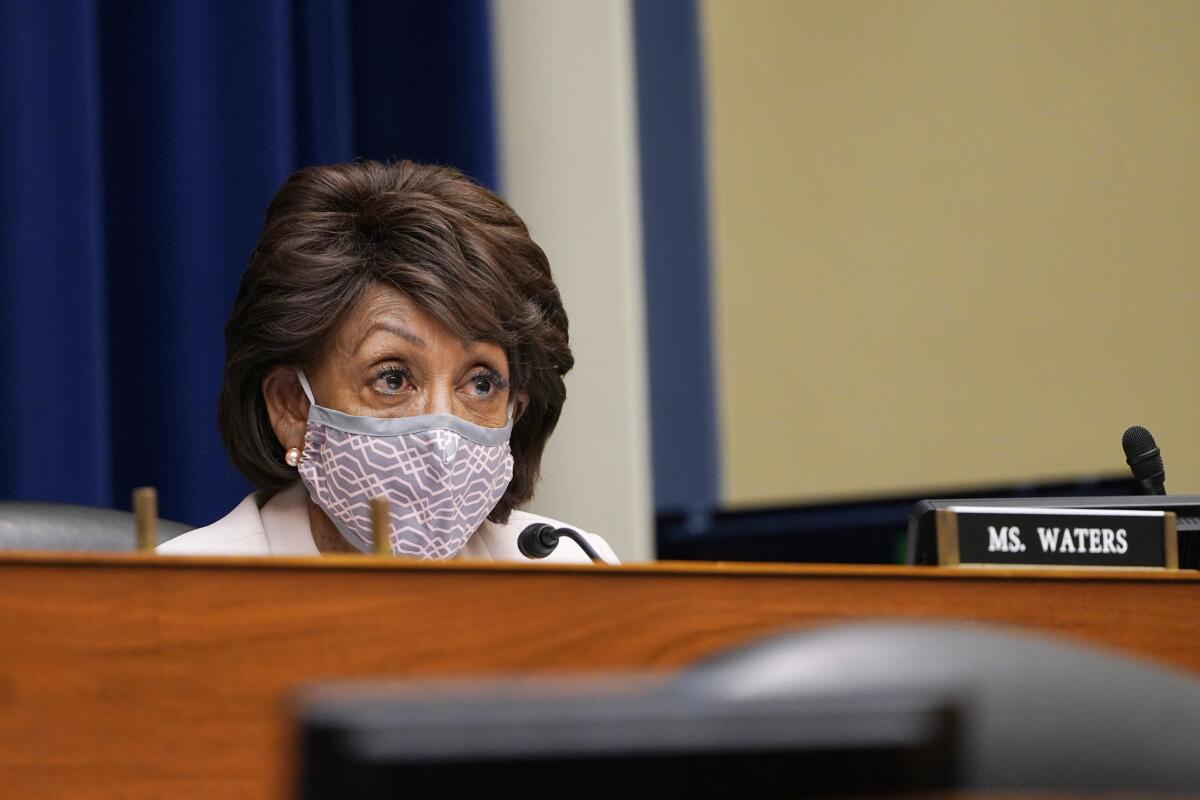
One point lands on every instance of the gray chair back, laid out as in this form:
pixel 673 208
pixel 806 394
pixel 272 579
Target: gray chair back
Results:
pixel 60 526
pixel 1038 713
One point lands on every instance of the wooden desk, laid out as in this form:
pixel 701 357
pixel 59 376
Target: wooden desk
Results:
pixel 143 676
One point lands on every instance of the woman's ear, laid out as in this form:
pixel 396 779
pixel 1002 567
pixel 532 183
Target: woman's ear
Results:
pixel 286 405
pixel 520 403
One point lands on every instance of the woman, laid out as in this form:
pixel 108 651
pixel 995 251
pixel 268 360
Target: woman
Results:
pixel 396 333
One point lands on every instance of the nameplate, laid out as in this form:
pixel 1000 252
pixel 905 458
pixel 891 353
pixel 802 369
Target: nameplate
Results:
pixel 1056 537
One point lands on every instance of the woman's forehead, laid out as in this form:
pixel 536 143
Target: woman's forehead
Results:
pixel 386 312
pixel 387 305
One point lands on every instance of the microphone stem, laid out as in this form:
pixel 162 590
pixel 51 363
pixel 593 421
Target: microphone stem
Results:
pixel 583 543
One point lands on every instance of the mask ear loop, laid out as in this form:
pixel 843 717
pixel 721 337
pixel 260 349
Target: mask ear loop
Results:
pixel 304 385
pixel 512 406
pixel 293 454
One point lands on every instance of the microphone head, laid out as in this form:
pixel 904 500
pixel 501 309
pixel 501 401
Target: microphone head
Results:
pixel 538 540
pixel 1141 453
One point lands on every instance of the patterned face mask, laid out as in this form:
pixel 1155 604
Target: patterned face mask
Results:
pixel 441 475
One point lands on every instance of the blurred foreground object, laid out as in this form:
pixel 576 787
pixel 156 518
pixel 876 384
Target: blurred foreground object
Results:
pixel 851 709
pixel 618 735
pixel 1038 713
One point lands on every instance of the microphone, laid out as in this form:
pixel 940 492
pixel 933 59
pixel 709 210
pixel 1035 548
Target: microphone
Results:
pixel 1144 459
pixel 538 540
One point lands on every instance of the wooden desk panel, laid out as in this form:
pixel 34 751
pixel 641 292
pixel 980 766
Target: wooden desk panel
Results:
pixel 138 676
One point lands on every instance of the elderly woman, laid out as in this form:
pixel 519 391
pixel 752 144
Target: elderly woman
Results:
pixel 396 333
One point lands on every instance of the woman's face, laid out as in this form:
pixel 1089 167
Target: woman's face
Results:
pixel 391 358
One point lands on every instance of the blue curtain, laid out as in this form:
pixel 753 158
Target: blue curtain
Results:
pixel 683 412
pixel 139 145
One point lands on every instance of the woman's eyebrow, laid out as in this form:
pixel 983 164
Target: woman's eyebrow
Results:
pixel 396 330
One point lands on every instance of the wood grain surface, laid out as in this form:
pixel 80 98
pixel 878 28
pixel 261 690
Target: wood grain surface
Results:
pixel 153 677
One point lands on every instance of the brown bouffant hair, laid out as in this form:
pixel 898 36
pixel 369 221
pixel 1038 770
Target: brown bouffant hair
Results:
pixel 451 245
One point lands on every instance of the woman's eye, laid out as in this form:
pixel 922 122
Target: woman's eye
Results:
pixel 483 385
pixel 391 380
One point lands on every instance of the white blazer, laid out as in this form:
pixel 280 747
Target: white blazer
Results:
pixel 277 525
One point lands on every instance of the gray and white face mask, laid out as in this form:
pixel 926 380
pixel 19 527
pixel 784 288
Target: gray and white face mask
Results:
pixel 441 475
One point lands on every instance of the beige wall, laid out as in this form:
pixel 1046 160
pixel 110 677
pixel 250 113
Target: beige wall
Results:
pixel 956 242
pixel 568 147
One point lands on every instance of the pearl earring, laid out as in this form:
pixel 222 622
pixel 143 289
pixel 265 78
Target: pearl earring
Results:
pixel 292 456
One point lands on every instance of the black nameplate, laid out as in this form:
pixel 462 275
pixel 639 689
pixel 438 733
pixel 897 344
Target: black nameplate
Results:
pixel 1056 537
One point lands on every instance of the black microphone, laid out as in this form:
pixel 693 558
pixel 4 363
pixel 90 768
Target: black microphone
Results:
pixel 1144 459
pixel 538 540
